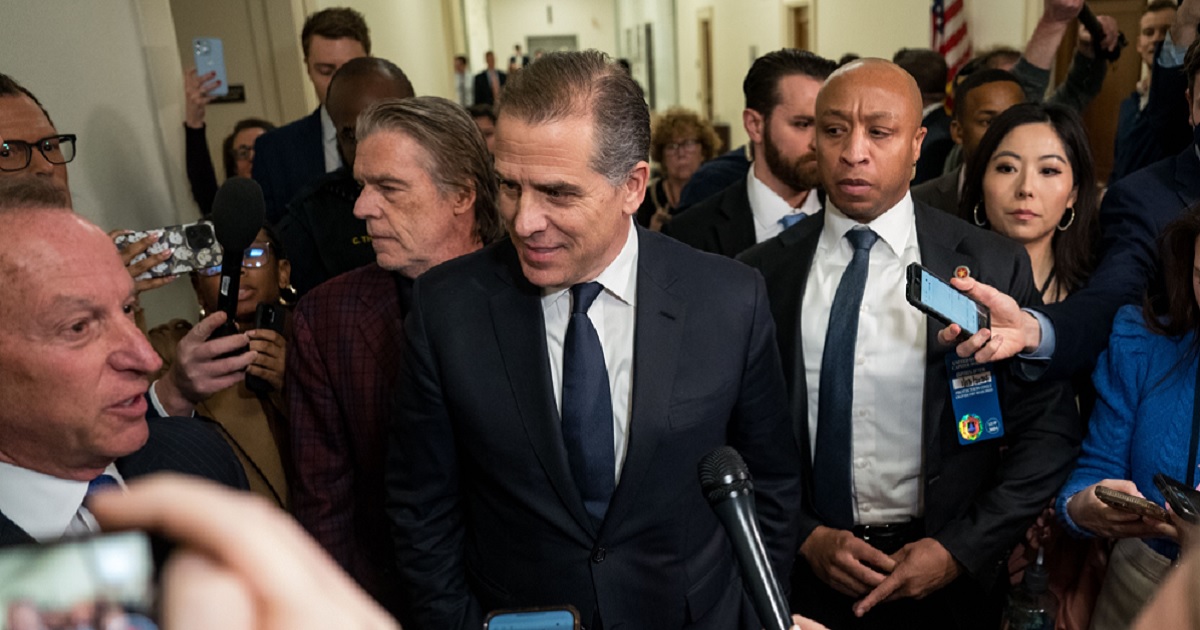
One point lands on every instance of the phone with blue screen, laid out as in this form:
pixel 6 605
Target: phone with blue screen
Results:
pixel 559 618
pixel 209 55
pixel 936 298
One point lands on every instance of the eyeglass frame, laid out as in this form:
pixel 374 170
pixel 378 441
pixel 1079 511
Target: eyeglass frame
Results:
pixel 38 143
pixel 247 261
pixel 683 146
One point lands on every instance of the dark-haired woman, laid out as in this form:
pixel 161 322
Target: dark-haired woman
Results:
pixel 1033 180
pixel 237 150
pixel 1145 423
pixel 196 379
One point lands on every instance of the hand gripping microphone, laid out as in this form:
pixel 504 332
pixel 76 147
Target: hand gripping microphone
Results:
pixel 237 216
pixel 726 483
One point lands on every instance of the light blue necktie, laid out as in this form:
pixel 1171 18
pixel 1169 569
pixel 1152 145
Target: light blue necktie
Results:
pixel 789 220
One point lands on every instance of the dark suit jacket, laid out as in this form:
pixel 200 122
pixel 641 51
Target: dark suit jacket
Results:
pixel 935 147
pixel 287 159
pixel 483 88
pixel 487 515
pixel 940 192
pixel 322 236
pixel 714 176
pixel 979 499
pixel 190 446
pixel 1132 216
pixel 722 224
pixel 347 336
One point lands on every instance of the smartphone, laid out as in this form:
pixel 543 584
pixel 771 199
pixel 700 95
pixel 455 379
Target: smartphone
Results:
pixel 936 298
pixel 1183 500
pixel 558 618
pixel 1129 503
pixel 195 247
pixel 269 316
pixel 103 581
pixel 209 54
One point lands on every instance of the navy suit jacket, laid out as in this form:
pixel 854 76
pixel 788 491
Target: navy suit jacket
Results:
pixel 722 224
pixel 979 499
pixel 483 89
pixel 487 515
pixel 1132 216
pixel 935 147
pixel 288 159
pixel 190 446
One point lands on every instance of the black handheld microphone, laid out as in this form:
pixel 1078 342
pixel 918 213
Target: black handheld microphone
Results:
pixel 237 216
pixel 1089 22
pixel 726 483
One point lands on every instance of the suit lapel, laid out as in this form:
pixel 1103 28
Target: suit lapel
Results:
pixel 520 330
pixel 1187 175
pixel 11 534
pixel 788 294
pixel 659 329
pixel 738 233
pixel 938 241
pixel 378 334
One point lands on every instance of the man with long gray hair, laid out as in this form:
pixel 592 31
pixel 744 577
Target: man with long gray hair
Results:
pixel 429 195
pixel 558 389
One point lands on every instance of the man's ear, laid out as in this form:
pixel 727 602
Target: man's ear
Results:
pixel 753 122
pixel 633 191
pixel 956 131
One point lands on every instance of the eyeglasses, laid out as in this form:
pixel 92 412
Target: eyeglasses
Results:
pixel 682 145
pixel 243 152
pixel 15 155
pixel 254 257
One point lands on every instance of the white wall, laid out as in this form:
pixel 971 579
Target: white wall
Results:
pixel 635 14
pixel 413 34
pixel 592 21
pixel 109 72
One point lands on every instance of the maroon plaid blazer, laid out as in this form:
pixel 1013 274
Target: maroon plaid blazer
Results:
pixel 341 364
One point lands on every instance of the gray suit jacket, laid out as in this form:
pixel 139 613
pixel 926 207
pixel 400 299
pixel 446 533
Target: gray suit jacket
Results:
pixel 940 192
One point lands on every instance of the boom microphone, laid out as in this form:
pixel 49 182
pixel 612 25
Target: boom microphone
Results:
pixel 237 216
pixel 726 483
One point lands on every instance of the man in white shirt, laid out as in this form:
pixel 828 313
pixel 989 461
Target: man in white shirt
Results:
pixel 73 373
pixel 906 514
pixel 780 187
pixel 560 387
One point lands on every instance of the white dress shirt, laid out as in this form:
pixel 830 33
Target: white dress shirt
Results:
pixel 333 159
pixel 613 314
pixel 768 208
pixel 889 368
pixel 46 507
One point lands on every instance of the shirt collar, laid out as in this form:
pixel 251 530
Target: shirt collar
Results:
pixel 768 207
pixel 894 227
pixel 41 504
pixel 328 132
pixel 619 278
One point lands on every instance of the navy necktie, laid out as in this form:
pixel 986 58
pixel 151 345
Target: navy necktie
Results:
pixel 587 413
pixel 831 459
pixel 102 483
pixel 789 220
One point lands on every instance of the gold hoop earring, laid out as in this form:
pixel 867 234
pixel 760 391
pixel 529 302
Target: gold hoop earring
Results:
pixel 975 216
pixel 1063 228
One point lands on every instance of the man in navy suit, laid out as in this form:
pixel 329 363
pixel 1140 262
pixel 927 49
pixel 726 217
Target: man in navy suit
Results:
pixel 559 388
pixel 779 188
pixel 290 157
pixel 489 84
pixel 903 523
pixel 929 70
pixel 74 370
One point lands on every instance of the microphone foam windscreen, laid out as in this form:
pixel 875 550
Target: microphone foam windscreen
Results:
pixel 723 470
pixel 238 213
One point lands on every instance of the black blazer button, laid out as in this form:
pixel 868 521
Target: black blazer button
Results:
pixel 599 554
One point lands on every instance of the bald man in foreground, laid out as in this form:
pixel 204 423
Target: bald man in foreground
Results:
pixel 906 515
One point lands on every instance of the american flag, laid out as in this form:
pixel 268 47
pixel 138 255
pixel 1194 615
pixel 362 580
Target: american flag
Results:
pixel 950 34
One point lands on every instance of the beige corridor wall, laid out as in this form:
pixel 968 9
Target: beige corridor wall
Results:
pixel 592 21
pixel 109 72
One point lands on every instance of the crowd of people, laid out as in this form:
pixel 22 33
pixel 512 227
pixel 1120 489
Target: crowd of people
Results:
pixel 481 346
